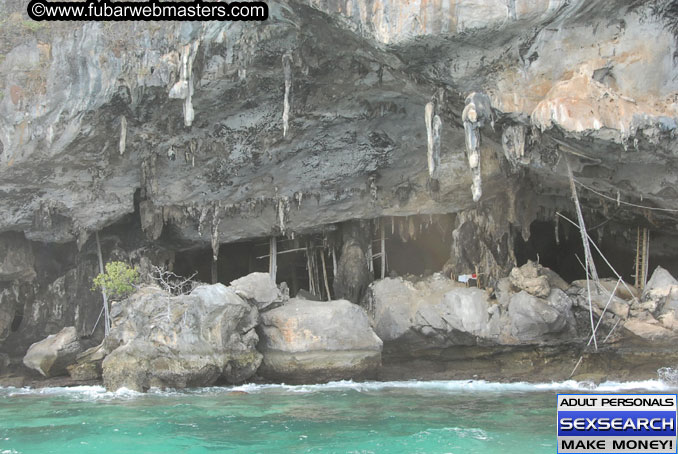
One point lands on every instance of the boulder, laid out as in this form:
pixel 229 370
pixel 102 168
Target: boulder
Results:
pixel 600 299
pixel 461 316
pixel 527 278
pixel 626 292
pixel 159 340
pixel 648 329
pixel 435 311
pixel 88 364
pixel 660 285
pixel 259 289
pixel 533 319
pixel 314 341
pixel 52 355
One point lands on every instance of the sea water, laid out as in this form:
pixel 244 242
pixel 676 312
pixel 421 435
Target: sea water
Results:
pixel 340 417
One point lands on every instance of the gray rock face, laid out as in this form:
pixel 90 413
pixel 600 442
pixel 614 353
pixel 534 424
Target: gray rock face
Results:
pixel 52 355
pixel 51 82
pixel 16 258
pixel 312 341
pixel 258 288
pixel 393 304
pixel 8 308
pixel 189 340
pixel 436 312
pixel 533 319
pixel 352 276
pixel 88 364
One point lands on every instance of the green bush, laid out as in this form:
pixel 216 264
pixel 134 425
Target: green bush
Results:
pixel 119 280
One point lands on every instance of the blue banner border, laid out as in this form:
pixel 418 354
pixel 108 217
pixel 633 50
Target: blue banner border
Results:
pixel 613 394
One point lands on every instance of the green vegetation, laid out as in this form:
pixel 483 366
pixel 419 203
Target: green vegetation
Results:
pixel 119 280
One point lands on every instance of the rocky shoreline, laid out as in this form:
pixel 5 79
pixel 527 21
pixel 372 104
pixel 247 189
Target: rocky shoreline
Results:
pixel 532 327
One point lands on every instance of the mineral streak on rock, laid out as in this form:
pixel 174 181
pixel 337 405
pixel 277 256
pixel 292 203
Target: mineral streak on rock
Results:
pixel 287 71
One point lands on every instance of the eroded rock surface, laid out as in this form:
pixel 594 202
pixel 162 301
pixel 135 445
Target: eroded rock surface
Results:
pixel 439 313
pixel 181 341
pixel 315 341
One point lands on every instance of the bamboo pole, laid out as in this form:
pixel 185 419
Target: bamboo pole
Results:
pixel 273 259
pixel 646 254
pixel 383 252
pixel 107 319
pixel 327 284
pixel 282 252
pixel 215 274
pixel 590 266
pixel 316 277
pixel 334 261
pixel 309 267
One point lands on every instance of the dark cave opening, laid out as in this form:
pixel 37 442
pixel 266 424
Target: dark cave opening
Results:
pixel 416 245
pixel 616 242
pixel 239 259
pixel 423 250
pixel 16 322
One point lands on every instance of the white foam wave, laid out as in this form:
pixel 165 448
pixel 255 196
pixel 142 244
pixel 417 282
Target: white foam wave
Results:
pixel 451 386
pixel 461 386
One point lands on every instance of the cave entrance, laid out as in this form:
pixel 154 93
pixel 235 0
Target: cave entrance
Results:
pixel 417 245
pixel 617 242
pixel 236 260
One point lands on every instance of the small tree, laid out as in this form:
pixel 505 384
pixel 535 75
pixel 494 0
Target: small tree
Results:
pixel 118 281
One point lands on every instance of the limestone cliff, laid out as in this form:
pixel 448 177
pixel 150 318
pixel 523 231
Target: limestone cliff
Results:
pixel 201 134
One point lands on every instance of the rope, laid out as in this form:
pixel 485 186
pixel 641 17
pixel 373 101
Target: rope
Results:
pixel 614 199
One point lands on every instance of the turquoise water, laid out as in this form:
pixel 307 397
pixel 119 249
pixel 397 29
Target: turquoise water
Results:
pixel 342 417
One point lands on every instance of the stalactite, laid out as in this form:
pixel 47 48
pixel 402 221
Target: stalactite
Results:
pixel 433 132
pixel 287 72
pixel 283 208
pixel 478 110
pixel 216 220
pixel 411 228
pixel 201 221
pixel 557 225
pixel 298 197
pixel 513 144
pixel 428 118
pixel 123 135
pixel 183 89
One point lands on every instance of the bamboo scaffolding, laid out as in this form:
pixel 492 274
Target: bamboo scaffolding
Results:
pixel 595 246
pixel 590 265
